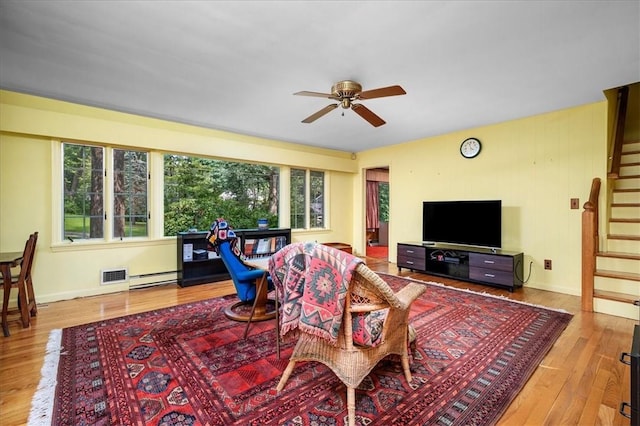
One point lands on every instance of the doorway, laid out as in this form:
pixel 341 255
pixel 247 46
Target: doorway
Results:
pixel 377 212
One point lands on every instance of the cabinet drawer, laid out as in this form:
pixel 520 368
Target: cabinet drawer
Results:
pixel 411 262
pixel 493 276
pixel 411 251
pixel 491 261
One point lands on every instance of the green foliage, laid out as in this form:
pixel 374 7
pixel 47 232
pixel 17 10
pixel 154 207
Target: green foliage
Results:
pixel 199 190
pixel 383 202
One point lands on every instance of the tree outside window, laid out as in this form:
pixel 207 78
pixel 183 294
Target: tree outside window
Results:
pixel 383 201
pixel 83 186
pixel 307 199
pixel 199 190
pixel 298 185
pixel 316 211
pixel 130 212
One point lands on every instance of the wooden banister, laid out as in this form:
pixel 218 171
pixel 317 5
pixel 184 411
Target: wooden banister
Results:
pixel 590 244
pixel 618 135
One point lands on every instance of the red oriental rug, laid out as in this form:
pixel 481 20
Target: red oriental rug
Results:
pixel 188 365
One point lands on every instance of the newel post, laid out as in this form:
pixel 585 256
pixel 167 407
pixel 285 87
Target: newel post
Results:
pixel 589 245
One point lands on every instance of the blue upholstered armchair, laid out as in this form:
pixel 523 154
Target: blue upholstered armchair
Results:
pixel 244 278
pixel 251 284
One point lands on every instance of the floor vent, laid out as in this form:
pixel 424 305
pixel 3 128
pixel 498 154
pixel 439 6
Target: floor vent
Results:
pixel 113 276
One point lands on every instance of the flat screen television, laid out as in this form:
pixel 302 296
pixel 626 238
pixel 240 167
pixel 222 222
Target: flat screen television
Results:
pixel 473 223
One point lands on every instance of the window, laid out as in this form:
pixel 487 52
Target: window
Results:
pixel 83 182
pixel 298 200
pixel 307 189
pixel 199 190
pixel 108 194
pixel 316 211
pixel 130 176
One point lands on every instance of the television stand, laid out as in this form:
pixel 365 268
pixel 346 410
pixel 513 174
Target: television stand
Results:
pixel 498 268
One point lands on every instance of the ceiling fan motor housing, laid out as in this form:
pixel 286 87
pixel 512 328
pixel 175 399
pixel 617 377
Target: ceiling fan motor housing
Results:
pixel 346 89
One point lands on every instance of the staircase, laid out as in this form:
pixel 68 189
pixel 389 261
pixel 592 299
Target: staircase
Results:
pixel 617 273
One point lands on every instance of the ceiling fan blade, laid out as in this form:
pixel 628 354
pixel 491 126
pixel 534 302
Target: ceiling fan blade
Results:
pixel 313 117
pixel 315 94
pixel 368 115
pixel 382 92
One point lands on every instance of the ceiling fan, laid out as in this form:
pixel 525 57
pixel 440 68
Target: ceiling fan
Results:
pixel 347 91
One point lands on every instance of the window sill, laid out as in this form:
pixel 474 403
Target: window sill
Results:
pixel 114 244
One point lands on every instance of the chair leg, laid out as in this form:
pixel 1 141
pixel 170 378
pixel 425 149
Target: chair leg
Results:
pixel 405 367
pixel 351 405
pixel 33 309
pixel 285 375
pixel 255 303
pixel 5 307
pixel 23 304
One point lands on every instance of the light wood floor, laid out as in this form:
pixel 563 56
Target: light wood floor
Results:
pixel 580 382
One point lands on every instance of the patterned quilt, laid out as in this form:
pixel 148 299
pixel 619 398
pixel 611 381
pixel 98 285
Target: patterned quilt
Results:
pixel 312 280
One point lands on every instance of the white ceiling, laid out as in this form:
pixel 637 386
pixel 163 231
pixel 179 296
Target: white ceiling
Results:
pixel 234 65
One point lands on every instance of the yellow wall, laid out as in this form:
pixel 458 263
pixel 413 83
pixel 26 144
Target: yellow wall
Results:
pixel 535 165
pixel 28 125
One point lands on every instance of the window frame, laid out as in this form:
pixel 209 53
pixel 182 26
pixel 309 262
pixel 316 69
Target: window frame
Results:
pixel 108 196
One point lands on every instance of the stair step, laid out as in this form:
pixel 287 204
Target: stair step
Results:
pixel 625 204
pixel 618 255
pixel 622 246
pixel 625 195
pixel 618 297
pixel 627 183
pixel 624 220
pixel 630 276
pixel 624 237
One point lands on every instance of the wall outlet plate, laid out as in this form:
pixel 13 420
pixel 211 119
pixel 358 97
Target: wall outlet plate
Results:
pixel 547 264
pixel 575 203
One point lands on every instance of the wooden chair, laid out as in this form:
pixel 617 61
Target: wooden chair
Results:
pixel 24 283
pixel 367 293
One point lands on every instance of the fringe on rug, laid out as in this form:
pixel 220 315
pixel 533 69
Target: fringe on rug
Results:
pixel 495 296
pixel 501 297
pixel 42 402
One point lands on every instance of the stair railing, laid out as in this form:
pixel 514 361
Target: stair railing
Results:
pixel 590 245
pixel 618 132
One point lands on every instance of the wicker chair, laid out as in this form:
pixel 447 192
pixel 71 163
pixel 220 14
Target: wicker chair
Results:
pixel 352 363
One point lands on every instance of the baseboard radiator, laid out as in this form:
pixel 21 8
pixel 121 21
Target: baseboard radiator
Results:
pixel 152 279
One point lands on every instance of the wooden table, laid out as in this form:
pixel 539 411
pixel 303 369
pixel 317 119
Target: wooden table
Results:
pixel 9 260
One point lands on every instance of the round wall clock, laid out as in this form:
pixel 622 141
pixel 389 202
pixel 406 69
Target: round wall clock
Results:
pixel 470 147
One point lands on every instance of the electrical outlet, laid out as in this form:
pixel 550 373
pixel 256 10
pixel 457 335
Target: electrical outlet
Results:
pixel 547 264
pixel 575 203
